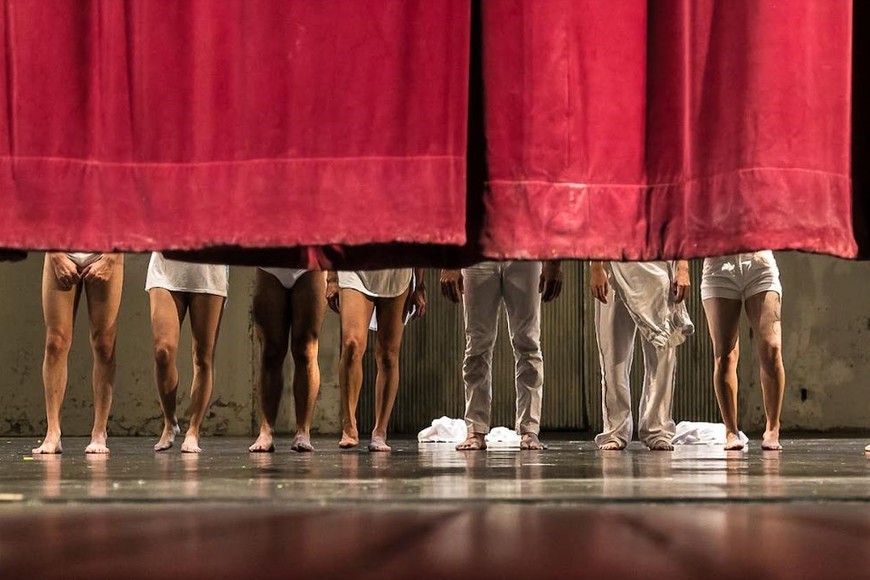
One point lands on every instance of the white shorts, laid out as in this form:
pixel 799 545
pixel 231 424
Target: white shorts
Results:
pixel 83 259
pixel 177 276
pixel 739 276
pixel 287 276
pixel 377 283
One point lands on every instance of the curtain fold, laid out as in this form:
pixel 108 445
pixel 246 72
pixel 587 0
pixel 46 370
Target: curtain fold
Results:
pixel 385 132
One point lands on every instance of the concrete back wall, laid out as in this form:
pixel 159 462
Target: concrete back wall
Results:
pixel 826 340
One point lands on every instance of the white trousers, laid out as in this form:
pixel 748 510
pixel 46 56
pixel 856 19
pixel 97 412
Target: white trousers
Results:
pixel 615 332
pixel 488 286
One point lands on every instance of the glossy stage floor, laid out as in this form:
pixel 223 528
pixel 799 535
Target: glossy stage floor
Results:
pixel 429 511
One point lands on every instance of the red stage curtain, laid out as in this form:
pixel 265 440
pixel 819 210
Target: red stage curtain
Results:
pixel 142 124
pixel 606 128
pixel 638 129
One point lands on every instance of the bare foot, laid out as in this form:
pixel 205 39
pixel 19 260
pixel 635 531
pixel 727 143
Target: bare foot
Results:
pixel 474 442
pixel 264 443
pixel 770 441
pixel 50 445
pixel 379 446
pixel 349 439
pixel 302 443
pixel 661 445
pixel 612 446
pixel 191 444
pixel 98 444
pixel 167 439
pixel 531 442
pixel 733 442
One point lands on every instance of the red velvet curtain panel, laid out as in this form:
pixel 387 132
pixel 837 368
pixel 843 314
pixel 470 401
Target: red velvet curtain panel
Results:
pixel 631 129
pixel 638 129
pixel 141 124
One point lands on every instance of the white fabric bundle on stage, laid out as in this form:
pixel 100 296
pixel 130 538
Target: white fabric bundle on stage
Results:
pixel 444 430
pixel 503 436
pixel 699 433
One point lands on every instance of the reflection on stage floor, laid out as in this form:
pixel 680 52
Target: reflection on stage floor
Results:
pixel 566 511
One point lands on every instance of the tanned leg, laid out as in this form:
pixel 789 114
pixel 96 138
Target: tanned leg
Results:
pixel 765 316
pixel 390 312
pixel 167 313
pixel 309 307
pixel 104 301
pixel 58 308
pixel 206 311
pixel 272 324
pixel 356 312
pixel 723 319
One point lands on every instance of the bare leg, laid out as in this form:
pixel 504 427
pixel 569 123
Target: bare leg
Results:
pixel 167 313
pixel 309 307
pixel 356 312
pixel 388 342
pixel 764 312
pixel 474 442
pixel 723 319
pixel 104 301
pixel 272 323
pixel 206 311
pixel 58 307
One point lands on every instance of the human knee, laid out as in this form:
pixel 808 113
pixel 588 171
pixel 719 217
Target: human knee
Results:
pixel 304 350
pixel 770 354
pixel 203 357
pixel 352 349
pixel 274 353
pixel 103 345
pixel 727 362
pixel 164 353
pixel 526 345
pixel 57 344
pixel 388 356
pixel 531 354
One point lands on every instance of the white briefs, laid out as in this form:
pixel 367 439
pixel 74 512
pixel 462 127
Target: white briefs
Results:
pixel 83 259
pixel 177 276
pixel 739 276
pixel 287 276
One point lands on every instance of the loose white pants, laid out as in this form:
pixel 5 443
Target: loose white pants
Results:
pixel 488 286
pixel 615 332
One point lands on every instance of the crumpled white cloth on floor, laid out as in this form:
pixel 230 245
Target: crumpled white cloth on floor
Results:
pixel 699 433
pixel 503 436
pixel 444 430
